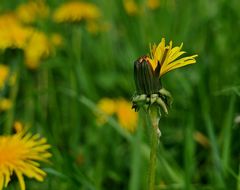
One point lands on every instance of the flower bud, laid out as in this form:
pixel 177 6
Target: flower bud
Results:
pixel 146 79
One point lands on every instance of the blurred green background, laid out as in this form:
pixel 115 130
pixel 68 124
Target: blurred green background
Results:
pixel 58 97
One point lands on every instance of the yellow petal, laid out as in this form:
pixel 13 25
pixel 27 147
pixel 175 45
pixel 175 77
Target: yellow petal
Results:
pixel 21 180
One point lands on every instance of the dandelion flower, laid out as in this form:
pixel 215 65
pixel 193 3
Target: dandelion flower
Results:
pixel 31 11
pixel 168 57
pixel 130 7
pixel 122 109
pixel 4 72
pixel 126 116
pixel 153 4
pixel 12 33
pixel 108 107
pixel 149 70
pixel 76 12
pixel 20 154
pixel 56 40
pixel 34 53
pixel 5 104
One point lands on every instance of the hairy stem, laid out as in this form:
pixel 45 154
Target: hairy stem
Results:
pixel 154 142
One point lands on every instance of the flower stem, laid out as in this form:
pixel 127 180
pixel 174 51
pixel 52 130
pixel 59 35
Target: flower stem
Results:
pixel 154 116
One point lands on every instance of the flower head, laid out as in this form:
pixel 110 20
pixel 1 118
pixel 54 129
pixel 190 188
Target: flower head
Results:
pixel 122 109
pixel 131 7
pixel 12 33
pixel 20 154
pixel 34 54
pixel 76 12
pixel 5 104
pixel 148 72
pixel 32 10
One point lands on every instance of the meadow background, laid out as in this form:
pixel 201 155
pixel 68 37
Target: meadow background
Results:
pixel 58 93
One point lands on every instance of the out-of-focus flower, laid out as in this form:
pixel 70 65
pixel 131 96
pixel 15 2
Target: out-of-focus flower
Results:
pixel 18 126
pixel 4 73
pixel 56 40
pixel 29 12
pixel 20 154
pixel 126 116
pixel 12 33
pixel 5 104
pixel 122 109
pixel 94 27
pixel 131 7
pixel 153 4
pixel 108 107
pixel 76 12
pixel 37 48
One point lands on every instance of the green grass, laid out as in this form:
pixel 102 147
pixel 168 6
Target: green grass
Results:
pixel 59 99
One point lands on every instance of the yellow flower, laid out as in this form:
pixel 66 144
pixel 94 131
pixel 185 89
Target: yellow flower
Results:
pixel 12 33
pixel 20 154
pixel 130 7
pixel 5 104
pixel 32 10
pixel 76 12
pixel 37 48
pixel 18 126
pixel 56 40
pixel 153 4
pixel 4 72
pixel 108 107
pixel 126 116
pixel 168 57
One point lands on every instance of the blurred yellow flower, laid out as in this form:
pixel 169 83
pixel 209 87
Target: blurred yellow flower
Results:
pixel 130 7
pixel 76 11
pixel 4 72
pixel 94 27
pixel 12 33
pixel 168 57
pixel 29 12
pixel 126 117
pixel 5 104
pixel 38 47
pixel 20 154
pixel 56 40
pixel 153 4
pixel 18 126
pixel 108 107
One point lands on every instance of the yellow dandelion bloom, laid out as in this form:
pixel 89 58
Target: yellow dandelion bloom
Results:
pixel 76 12
pixel 127 118
pixel 29 12
pixel 56 40
pixel 37 48
pixel 4 72
pixel 18 126
pixel 108 107
pixel 153 4
pixel 5 104
pixel 12 33
pixel 130 7
pixel 168 57
pixel 20 154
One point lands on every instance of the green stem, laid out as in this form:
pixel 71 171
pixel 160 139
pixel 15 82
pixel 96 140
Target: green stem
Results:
pixel 13 96
pixel 154 142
